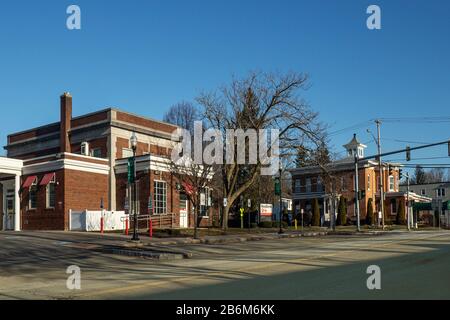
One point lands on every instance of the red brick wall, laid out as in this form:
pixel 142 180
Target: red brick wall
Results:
pixel 168 128
pixel 75 190
pixel 84 190
pixel 101 143
pixel 43 218
pixel 97 117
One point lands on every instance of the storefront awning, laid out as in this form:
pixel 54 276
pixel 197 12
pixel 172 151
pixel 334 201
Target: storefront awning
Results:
pixel 29 181
pixel 47 178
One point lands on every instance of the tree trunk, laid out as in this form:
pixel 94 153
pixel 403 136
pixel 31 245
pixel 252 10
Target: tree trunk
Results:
pixel 226 212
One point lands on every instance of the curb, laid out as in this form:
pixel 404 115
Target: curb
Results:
pixel 148 254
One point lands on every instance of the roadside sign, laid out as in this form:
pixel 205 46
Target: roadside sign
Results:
pixel 242 212
pixel 277 187
pixel 127 205
pixel 225 202
pixel 249 203
pixel 266 209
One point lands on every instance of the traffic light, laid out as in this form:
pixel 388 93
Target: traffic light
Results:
pixel 400 174
pixel 390 169
pixel 408 153
pixel 277 187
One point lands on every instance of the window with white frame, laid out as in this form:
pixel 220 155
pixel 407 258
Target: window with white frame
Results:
pixel 96 153
pixel 391 183
pixel 32 195
pixel 50 192
pixel 422 192
pixel 160 197
pixel 204 196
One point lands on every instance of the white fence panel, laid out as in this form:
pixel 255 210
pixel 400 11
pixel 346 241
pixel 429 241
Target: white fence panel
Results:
pixel 91 220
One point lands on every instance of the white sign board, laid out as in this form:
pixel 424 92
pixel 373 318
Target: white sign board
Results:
pixel 266 209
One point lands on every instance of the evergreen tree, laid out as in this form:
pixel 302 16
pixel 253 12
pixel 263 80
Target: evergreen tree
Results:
pixel 316 214
pixel 370 218
pixel 401 217
pixel 342 212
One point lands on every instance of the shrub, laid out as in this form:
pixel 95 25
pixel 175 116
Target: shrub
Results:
pixel 315 221
pixel 370 218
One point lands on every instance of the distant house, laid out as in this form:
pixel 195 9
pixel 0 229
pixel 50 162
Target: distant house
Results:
pixel 308 184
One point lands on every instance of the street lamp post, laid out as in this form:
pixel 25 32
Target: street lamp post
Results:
pixel 281 202
pixel 134 142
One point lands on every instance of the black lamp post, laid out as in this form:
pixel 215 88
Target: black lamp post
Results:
pixel 281 202
pixel 134 142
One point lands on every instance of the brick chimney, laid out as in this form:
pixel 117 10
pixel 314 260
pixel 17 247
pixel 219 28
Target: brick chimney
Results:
pixel 66 117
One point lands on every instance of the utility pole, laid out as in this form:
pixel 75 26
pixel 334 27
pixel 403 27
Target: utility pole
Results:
pixel 380 165
pixel 407 202
pixel 357 193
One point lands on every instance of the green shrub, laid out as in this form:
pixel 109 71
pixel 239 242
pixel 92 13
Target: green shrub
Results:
pixel 370 218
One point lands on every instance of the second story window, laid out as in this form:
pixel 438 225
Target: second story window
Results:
pixel 308 184
pixel 391 183
pixel 297 186
pixel 96 152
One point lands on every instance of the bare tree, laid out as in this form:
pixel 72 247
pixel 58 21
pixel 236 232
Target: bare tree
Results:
pixel 182 114
pixel 194 180
pixel 259 101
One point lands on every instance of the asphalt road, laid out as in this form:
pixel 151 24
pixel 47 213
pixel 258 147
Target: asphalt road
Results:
pixel 413 266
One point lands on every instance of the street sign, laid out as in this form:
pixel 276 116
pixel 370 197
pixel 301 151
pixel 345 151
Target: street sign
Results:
pixel 225 202
pixel 249 203
pixel 277 187
pixel 242 211
pixel 131 169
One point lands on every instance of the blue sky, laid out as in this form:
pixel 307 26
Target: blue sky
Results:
pixel 143 56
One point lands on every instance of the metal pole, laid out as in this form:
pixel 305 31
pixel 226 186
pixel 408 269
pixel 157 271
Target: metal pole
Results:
pixel 357 193
pixel 135 235
pixel 281 203
pixel 407 202
pixel 378 122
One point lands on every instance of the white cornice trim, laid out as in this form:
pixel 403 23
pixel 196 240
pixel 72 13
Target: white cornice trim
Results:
pixel 68 164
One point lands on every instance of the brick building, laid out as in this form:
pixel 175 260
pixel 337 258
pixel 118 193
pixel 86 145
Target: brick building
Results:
pixel 308 185
pixel 80 162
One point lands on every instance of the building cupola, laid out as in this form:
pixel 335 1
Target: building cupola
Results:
pixel 354 147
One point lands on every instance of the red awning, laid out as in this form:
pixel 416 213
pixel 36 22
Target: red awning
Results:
pixel 29 181
pixel 47 178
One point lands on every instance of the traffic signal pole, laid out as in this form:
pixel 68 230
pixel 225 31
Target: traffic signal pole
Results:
pixel 380 167
pixel 357 193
